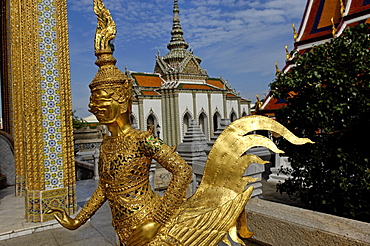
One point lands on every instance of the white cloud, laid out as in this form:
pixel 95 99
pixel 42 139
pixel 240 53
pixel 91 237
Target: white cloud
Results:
pixel 234 36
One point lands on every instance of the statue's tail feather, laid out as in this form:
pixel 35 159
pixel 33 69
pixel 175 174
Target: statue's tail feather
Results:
pixel 227 160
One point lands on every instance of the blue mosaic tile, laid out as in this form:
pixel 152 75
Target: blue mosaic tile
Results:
pixel 49 82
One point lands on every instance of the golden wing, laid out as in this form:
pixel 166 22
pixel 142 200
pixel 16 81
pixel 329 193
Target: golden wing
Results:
pixel 213 211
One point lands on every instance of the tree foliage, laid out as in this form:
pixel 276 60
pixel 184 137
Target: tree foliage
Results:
pixel 77 122
pixel 328 101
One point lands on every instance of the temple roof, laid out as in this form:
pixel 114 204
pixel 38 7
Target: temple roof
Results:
pixel 150 84
pixel 358 7
pixel 177 43
pixel 179 69
pixel 323 18
pixel 317 20
pixel 216 82
pixel 147 79
pixel 196 87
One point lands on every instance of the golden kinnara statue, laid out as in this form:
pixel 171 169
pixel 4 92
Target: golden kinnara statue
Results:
pixel 139 216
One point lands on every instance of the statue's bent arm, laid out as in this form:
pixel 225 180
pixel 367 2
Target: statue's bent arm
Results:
pixel 181 177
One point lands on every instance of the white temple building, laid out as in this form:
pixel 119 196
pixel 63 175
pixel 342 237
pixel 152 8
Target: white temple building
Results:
pixel 179 90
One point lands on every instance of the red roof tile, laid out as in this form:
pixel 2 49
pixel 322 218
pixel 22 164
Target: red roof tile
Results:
pixel 199 87
pixel 230 95
pixel 150 93
pixel 151 80
pixel 216 82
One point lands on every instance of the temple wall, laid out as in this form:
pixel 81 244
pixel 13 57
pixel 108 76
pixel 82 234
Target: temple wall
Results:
pixel 217 102
pixel 152 106
pixel 279 224
pixel 185 104
pixel 201 105
pixel 230 106
pixel 135 112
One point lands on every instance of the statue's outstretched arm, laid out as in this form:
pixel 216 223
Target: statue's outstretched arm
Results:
pixel 63 218
pixel 94 203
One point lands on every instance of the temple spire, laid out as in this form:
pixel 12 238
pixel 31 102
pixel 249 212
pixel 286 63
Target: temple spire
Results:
pixel 177 40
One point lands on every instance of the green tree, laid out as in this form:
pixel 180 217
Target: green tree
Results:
pixel 328 101
pixel 77 122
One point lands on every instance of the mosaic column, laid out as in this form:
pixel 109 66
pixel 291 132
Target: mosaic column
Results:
pixel 42 109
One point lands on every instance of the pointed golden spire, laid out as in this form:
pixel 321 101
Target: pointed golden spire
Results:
pixel 295 34
pixel 334 29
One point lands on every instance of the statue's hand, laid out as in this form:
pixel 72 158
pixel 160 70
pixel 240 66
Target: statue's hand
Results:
pixel 62 217
pixel 143 233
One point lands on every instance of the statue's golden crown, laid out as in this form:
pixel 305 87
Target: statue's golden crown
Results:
pixel 108 75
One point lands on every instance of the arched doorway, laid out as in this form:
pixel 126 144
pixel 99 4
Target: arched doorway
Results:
pixel 186 122
pixel 233 116
pixel 152 121
pixel 203 124
pixel 216 121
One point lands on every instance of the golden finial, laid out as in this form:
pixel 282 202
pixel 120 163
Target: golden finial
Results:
pixel 334 29
pixel 277 68
pixel 105 29
pixel 342 8
pixel 258 104
pixel 287 53
pixel 295 34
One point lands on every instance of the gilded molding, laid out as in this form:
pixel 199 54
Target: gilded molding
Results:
pixel 6 88
pixel 66 105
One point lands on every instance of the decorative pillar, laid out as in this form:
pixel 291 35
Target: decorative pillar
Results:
pixel 225 104
pixel 142 123
pixel 173 122
pixel 210 116
pixel 177 119
pixel 41 96
pixel 239 108
pixel 165 115
pixel 194 95
pixel 6 89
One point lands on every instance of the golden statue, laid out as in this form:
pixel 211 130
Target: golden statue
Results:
pixel 139 216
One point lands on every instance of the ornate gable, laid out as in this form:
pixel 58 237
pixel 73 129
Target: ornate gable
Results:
pixel 191 67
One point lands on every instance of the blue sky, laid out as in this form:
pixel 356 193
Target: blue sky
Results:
pixel 239 40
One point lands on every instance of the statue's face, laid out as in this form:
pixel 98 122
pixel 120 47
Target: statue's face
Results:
pixel 104 107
